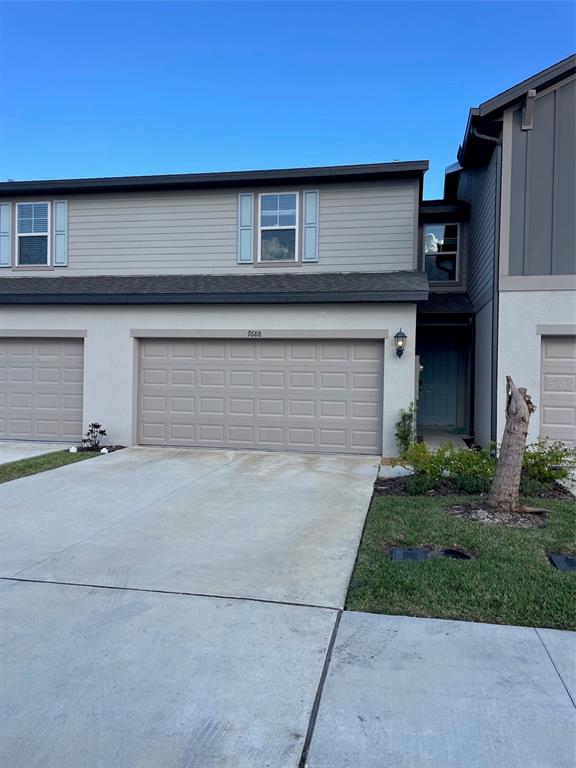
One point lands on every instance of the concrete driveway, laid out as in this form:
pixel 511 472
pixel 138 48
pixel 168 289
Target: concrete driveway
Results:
pixel 173 608
pixel 268 526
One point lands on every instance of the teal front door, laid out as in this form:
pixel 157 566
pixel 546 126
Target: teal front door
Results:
pixel 437 406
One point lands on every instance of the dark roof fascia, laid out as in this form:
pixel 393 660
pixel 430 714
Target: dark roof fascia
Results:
pixel 485 118
pixel 365 172
pixel 538 82
pixel 443 211
pixel 324 297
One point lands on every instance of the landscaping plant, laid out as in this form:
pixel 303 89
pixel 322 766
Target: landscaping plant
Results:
pixel 405 429
pixel 92 438
pixel 547 462
pixel 471 471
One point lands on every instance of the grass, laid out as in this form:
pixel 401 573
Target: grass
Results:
pixel 509 582
pixel 25 467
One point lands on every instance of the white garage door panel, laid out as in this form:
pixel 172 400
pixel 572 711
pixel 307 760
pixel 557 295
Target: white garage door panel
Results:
pixel 41 384
pixel 308 396
pixel 558 389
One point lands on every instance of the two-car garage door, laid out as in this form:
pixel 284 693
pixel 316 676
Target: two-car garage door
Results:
pixel 41 383
pixel 305 395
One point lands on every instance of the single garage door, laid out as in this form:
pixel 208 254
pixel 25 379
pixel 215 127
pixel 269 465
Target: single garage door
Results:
pixel 558 389
pixel 41 389
pixel 276 395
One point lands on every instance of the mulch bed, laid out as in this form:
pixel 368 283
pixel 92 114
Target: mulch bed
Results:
pixel 522 519
pixel 109 448
pixel 396 486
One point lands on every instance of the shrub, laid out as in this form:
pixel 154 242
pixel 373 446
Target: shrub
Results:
pixel 418 484
pixel 91 440
pixel 470 463
pixel 471 471
pixel 529 486
pixel 423 461
pixel 548 461
pixel 405 429
pixel 471 484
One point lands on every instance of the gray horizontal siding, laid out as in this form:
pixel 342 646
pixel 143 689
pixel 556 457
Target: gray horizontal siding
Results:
pixel 478 187
pixel 362 227
pixel 543 198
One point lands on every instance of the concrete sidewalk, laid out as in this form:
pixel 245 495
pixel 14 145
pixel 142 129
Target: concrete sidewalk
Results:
pixel 427 693
pixel 15 450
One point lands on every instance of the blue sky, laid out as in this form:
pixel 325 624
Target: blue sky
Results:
pixel 110 89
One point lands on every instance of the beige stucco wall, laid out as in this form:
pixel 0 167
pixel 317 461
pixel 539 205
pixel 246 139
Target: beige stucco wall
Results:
pixel 520 345
pixel 110 374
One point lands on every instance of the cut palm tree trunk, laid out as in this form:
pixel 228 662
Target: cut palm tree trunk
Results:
pixel 505 491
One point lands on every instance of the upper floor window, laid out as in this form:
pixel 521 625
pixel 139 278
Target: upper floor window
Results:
pixel 33 228
pixel 278 230
pixel 441 252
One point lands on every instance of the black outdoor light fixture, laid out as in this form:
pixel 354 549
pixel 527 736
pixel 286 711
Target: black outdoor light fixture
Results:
pixel 400 342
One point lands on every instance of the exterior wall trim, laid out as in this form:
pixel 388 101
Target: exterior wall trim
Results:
pixel 273 333
pixel 505 196
pixel 537 283
pixel 556 330
pixel 42 333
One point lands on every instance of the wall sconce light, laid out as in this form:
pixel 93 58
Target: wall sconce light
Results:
pixel 400 342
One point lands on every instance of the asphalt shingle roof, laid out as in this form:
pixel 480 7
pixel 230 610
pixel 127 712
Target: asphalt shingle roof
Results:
pixel 216 289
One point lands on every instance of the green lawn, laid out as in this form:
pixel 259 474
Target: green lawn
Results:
pixel 509 582
pixel 32 466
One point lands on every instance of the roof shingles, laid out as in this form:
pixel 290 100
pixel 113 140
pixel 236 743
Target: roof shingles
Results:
pixel 217 289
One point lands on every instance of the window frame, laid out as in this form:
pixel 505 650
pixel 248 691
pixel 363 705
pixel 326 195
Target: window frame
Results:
pixel 455 253
pixel 32 234
pixel 295 227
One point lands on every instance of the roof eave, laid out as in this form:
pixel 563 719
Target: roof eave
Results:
pixel 333 297
pixel 232 179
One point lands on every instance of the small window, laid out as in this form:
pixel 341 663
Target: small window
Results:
pixel 33 234
pixel 278 227
pixel 441 252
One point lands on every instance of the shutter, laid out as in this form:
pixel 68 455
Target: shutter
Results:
pixel 60 233
pixel 5 234
pixel 310 249
pixel 245 228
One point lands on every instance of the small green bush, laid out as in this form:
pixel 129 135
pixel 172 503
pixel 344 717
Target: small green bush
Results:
pixel 418 484
pixel 471 484
pixel 471 470
pixel 470 463
pixel 423 461
pixel 548 461
pixel 529 486
pixel 405 429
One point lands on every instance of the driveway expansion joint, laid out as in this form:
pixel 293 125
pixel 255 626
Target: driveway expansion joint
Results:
pixel 171 592
pixel 319 691
pixel 555 667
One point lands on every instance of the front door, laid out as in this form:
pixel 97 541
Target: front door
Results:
pixel 437 406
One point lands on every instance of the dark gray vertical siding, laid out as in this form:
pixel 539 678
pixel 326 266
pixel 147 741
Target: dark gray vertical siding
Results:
pixel 539 190
pixel 517 196
pixel 478 187
pixel 564 222
pixel 542 229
